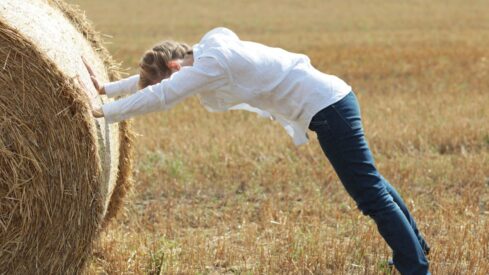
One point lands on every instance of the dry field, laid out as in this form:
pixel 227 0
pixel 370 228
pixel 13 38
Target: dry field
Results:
pixel 229 192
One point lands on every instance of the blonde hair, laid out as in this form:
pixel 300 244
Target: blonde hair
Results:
pixel 153 66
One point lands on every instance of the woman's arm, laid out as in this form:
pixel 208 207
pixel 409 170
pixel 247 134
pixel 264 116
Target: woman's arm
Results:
pixel 122 87
pixel 205 74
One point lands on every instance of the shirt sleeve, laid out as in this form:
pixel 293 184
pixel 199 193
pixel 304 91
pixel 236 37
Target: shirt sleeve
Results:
pixel 206 74
pixel 122 87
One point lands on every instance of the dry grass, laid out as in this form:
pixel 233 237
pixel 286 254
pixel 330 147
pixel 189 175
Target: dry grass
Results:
pixel 229 193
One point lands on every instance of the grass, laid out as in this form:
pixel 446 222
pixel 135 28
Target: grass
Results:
pixel 230 194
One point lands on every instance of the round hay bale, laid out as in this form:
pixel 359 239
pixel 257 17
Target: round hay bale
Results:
pixel 63 173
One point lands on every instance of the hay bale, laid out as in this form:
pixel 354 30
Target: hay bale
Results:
pixel 63 174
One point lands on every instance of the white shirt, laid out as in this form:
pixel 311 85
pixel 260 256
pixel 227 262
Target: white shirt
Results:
pixel 228 74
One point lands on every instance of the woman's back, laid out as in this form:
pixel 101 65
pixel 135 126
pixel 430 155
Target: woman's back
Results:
pixel 272 79
pixel 265 66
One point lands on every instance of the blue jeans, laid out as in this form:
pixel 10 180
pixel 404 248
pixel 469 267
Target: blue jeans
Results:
pixel 340 133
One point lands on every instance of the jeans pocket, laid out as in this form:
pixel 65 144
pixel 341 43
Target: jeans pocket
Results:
pixel 342 123
pixel 321 122
pixel 314 125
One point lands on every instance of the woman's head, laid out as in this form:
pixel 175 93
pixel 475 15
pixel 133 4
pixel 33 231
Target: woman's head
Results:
pixel 156 64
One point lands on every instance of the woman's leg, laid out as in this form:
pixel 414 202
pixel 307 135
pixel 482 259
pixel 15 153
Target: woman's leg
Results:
pixel 341 136
pixel 399 201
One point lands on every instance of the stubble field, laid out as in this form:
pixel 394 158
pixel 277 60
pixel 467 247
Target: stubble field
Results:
pixel 229 193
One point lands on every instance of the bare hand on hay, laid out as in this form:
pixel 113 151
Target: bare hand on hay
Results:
pixel 100 88
pixel 96 112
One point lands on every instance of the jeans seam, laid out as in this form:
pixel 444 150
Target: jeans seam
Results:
pixel 342 118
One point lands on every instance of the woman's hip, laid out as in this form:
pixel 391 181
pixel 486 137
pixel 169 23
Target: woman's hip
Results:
pixel 339 119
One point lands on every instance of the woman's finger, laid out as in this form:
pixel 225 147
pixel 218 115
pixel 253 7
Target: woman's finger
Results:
pixel 97 112
pixel 95 82
pixel 89 68
pixel 100 88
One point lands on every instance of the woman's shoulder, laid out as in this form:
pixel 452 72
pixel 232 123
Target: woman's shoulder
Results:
pixel 214 42
pixel 219 32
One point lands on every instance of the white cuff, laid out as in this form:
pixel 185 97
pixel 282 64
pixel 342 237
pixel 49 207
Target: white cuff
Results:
pixel 110 114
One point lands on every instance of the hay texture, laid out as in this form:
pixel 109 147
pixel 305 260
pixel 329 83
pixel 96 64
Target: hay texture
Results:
pixel 63 173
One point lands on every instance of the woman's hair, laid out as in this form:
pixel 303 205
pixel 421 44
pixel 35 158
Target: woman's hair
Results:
pixel 153 65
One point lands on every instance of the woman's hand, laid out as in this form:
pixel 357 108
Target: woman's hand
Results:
pixel 100 88
pixel 98 112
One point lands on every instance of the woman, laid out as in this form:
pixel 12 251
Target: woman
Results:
pixel 228 73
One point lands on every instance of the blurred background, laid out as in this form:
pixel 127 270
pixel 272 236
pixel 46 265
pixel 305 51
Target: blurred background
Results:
pixel 226 193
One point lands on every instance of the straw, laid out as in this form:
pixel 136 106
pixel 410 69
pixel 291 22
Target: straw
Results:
pixel 63 174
